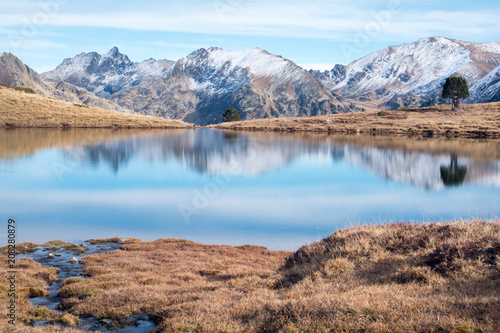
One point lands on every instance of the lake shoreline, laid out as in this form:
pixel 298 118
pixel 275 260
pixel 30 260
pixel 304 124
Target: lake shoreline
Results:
pixel 380 274
pixel 22 110
pixel 473 121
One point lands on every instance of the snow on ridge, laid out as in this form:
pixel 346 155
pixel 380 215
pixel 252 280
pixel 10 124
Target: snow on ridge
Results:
pixel 111 69
pixel 151 67
pixel 256 61
pixel 486 88
pixel 493 47
pixel 421 64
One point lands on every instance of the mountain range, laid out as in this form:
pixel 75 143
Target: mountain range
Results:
pixel 14 73
pixel 198 87
pixel 413 74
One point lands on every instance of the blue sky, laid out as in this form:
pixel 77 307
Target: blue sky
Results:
pixel 314 34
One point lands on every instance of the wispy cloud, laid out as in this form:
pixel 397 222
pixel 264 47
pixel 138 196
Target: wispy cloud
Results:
pixel 334 20
pixel 280 27
pixel 28 44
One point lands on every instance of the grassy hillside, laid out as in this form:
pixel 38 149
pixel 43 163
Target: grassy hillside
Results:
pixel 436 277
pixel 475 120
pixel 20 108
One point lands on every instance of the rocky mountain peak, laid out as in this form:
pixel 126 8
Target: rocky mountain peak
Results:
pixel 15 73
pixel 114 52
pixel 198 86
pixel 411 74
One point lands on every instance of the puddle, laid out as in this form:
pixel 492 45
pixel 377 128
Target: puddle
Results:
pixel 144 324
pixel 61 259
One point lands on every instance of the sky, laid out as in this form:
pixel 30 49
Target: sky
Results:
pixel 313 34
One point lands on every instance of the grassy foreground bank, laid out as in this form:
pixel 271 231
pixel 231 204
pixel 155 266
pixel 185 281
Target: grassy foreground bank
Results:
pixel 474 121
pixel 435 277
pixel 24 109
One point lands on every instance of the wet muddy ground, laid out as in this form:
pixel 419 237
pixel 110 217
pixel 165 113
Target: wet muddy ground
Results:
pixel 69 265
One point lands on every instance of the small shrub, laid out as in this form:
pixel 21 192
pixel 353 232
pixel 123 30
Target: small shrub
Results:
pixel 383 113
pixel 26 90
pixel 80 105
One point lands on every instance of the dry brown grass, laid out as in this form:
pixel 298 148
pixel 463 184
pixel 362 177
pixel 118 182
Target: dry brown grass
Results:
pixel 436 277
pixel 31 280
pixel 20 109
pixel 475 120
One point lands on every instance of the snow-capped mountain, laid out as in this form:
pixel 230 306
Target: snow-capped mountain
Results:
pixel 198 87
pixel 487 89
pixel 411 74
pixel 14 72
pixel 106 74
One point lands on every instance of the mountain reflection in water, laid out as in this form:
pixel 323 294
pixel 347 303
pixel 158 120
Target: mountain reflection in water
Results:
pixel 214 152
pixel 270 189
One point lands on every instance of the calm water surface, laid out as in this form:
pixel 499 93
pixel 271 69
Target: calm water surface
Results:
pixel 279 191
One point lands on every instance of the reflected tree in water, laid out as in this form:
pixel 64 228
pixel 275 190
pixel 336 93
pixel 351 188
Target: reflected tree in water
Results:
pixel 454 174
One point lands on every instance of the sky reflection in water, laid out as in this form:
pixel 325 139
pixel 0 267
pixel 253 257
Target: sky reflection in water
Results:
pixel 214 187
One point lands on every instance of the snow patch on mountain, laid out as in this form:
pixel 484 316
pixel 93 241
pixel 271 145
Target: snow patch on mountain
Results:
pixel 108 73
pixel 487 89
pixel 256 62
pixel 414 68
pixel 397 74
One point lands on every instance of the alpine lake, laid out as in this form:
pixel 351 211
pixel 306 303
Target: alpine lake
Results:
pixel 280 191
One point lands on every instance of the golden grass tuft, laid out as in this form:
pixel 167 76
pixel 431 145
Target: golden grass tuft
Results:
pixel 121 240
pixel 21 248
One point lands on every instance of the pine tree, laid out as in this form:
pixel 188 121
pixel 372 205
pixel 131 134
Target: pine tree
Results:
pixel 455 88
pixel 230 114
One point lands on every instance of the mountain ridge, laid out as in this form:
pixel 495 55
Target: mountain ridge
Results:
pixel 14 72
pixel 412 74
pixel 198 87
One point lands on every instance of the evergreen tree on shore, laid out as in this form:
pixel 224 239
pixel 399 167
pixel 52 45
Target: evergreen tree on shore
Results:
pixel 230 114
pixel 456 89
